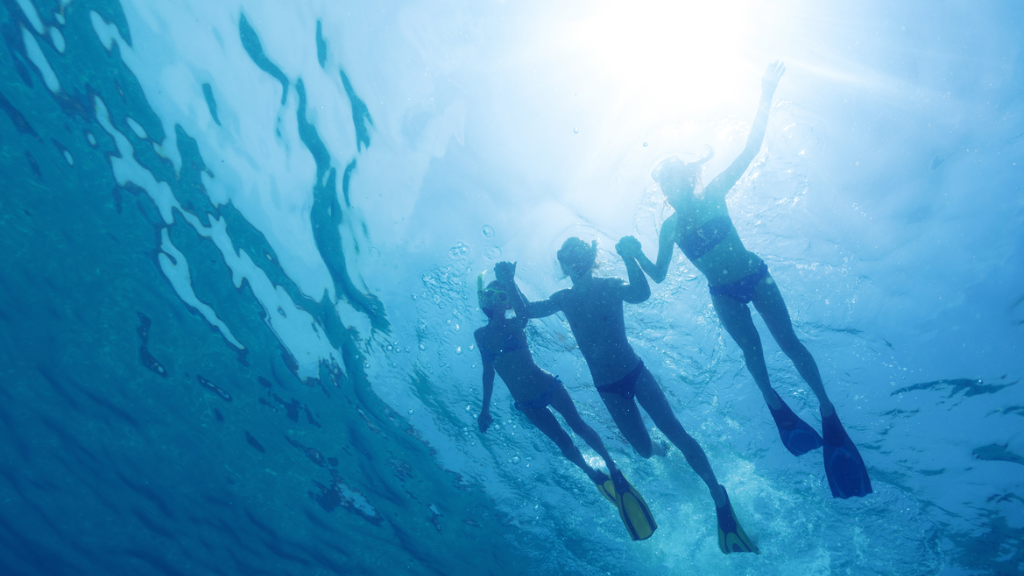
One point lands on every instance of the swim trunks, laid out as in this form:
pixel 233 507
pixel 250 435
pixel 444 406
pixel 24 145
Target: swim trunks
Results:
pixel 706 237
pixel 742 289
pixel 625 386
pixel 542 400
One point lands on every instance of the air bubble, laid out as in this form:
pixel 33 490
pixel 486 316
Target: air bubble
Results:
pixel 488 231
pixel 514 460
pixel 458 350
pixel 575 130
pixel 645 144
pixel 423 346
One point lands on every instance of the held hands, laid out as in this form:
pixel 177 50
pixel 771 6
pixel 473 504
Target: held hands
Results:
pixel 628 247
pixel 505 272
pixel 484 420
pixel 770 80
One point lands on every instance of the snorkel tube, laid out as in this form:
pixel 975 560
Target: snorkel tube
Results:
pixel 480 289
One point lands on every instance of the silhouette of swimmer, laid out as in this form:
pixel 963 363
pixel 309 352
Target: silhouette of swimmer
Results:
pixel 702 228
pixel 503 349
pixel 594 308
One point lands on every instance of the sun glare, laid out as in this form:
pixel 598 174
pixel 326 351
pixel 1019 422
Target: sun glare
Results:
pixel 669 54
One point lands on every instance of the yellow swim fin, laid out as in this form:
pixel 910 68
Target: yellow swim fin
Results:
pixel 731 537
pixel 606 487
pixel 632 508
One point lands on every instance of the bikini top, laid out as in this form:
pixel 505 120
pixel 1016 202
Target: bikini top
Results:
pixel 510 343
pixel 708 235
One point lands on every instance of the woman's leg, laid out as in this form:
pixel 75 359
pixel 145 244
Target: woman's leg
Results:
pixel 627 417
pixel 562 402
pixel 735 317
pixel 769 303
pixel 653 400
pixel 545 421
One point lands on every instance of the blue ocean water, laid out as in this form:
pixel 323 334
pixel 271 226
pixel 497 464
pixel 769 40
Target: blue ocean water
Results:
pixel 239 246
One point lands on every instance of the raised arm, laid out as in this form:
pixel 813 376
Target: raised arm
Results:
pixel 505 272
pixel 666 244
pixel 638 289
pixel 724 182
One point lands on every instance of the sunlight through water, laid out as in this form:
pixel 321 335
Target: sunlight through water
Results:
pixel 240 241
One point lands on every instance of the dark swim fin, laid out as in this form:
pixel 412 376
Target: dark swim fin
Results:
pixel 798 437
pixel 632 508
pixel 847 475
pixel 731 537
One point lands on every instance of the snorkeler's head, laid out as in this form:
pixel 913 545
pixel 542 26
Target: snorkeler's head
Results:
pixel 678 179
pixel 493 299
pixel 577 257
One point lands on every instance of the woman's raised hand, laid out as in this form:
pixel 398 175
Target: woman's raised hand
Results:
pixel 770 80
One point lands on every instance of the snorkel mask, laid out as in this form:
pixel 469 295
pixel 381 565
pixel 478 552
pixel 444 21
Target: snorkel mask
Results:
pixel 672 173
pixel 577 257
pixel 490 297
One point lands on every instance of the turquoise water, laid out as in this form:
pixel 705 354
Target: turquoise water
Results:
pixel 239 245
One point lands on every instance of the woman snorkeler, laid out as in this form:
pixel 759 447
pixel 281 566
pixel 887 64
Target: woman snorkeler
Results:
pixel 702 228
pixel 503 349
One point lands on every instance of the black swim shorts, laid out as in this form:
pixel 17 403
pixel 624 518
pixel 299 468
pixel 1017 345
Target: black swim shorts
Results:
pixel 625 386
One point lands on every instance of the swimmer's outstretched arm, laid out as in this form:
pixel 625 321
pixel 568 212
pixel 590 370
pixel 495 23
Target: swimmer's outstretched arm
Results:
pixel 638 289
pixel 724 182
pixel 666 244
pixel 544 308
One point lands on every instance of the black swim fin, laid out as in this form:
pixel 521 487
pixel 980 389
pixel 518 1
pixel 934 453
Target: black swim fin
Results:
pixel 731 537
pixel 797 436
pixel 847 475
pixel 633 510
